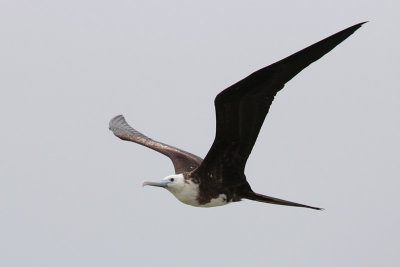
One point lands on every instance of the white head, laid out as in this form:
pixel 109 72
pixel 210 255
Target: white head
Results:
pixel 174 183
pixel 184 190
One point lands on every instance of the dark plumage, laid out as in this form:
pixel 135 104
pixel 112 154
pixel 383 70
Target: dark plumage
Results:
pixel 240 113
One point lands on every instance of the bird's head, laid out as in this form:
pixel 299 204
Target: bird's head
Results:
pixel 173 183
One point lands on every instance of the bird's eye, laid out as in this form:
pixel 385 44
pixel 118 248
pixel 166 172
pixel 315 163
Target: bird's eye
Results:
pixel 171 180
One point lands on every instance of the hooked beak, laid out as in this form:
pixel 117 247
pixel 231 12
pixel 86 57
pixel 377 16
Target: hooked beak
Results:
pixel 159 184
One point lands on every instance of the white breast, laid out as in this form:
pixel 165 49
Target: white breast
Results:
pixel 188 195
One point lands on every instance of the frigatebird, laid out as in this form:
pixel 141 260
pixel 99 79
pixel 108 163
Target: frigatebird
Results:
pixel 240 109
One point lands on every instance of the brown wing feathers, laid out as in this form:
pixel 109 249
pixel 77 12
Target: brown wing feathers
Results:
pixel 183 161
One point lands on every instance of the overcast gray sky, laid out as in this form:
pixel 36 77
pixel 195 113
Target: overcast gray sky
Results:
pixel 70 192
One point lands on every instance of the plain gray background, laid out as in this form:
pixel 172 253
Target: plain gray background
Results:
pixel 70 192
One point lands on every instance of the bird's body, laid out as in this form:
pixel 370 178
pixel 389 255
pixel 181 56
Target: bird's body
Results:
pixel 219 179
pixel 189 194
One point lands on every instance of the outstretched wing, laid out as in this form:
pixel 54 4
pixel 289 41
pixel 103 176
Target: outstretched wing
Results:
pixel 241 109
pixel 183 161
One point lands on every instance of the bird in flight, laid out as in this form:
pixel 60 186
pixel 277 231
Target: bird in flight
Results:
pixel 240 110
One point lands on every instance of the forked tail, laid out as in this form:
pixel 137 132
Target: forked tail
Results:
pixel 277 201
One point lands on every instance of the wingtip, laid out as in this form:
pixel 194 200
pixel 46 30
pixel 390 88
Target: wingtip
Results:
pixel 362 23
pixel 358 25
pixel 118 117
pixel 355 27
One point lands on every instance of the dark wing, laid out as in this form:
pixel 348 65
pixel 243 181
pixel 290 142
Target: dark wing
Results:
pixel 183 161
pixel 241 109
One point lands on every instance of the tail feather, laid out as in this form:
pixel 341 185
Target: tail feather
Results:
pixel 277 201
